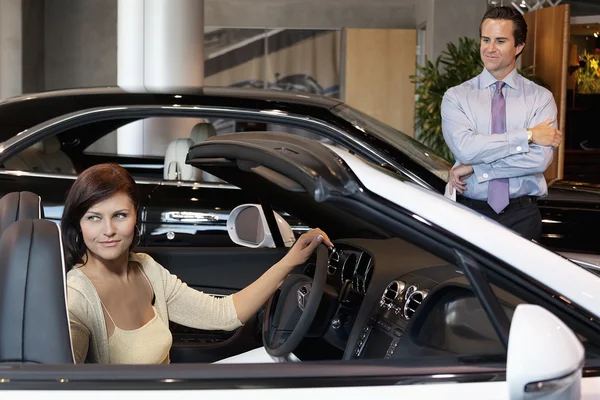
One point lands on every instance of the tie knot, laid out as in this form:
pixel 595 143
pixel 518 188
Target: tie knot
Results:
pixel 499 85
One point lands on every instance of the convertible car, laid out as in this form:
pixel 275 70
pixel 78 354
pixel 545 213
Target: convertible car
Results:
pixel 46 139
pixel 418 297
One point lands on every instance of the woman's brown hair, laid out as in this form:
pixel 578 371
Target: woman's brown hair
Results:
pixel 95 184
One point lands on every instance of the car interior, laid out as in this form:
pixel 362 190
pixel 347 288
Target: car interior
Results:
pixel 72 151
pixel 44 156
pixel 175 167
pixel 390 289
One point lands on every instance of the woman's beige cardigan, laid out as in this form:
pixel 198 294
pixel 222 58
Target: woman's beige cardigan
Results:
pixel 175 301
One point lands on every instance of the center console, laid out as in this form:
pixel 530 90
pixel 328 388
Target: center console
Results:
pixel 388 320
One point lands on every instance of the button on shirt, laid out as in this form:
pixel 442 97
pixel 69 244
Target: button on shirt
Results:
pixel 467 125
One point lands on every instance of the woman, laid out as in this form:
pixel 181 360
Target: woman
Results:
pixel 120 302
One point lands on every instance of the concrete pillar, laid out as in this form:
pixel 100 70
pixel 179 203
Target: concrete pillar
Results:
pixel 455 19
pixel 11 48
pixel 448 20
pixel 160 49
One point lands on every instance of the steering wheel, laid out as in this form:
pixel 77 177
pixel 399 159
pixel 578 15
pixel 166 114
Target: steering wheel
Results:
pixel 291 310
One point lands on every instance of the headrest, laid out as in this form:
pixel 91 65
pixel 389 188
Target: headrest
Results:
pixel 19 205
pixel 202 131
pixel 49 145
pixel 34 321
pixel 175 167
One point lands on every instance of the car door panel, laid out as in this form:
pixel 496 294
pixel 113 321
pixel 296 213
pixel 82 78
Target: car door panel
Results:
pixel 217 271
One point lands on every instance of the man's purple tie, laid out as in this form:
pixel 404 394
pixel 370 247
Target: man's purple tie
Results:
pixel 498 197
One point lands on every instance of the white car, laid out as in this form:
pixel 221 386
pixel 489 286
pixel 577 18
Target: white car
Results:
pixel 421 297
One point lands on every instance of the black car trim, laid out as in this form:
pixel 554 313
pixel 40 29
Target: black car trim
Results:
pixel 239 376
pixel 591 369
pixel 272 223
pixel 56 125
pixel 198 185
pixel 36 174
pixel 146 181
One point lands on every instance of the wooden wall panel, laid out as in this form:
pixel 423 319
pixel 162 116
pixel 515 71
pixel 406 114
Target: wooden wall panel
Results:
pixel 378 63
pixel 547 50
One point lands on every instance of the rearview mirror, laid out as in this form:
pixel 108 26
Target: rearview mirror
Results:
pixel 248 226
pixel 545 358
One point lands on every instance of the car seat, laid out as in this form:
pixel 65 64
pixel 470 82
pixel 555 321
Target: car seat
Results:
pixel 44 156
pixel 175 167
pixel 34 320
pixel 19 205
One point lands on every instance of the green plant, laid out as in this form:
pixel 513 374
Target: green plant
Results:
pixel 458 64
pixel 588 75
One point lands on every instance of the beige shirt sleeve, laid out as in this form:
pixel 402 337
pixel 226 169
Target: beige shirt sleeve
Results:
pixel 80 334
pixel 190 307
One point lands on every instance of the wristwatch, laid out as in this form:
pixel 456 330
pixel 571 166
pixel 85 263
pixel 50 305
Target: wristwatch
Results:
pixel 529 136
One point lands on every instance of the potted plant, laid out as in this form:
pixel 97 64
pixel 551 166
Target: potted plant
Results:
pixel 588 74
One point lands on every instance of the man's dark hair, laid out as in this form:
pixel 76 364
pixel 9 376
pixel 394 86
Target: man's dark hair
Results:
pixel 510 14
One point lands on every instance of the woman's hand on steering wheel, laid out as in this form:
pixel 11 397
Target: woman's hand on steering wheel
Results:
pixel 304 247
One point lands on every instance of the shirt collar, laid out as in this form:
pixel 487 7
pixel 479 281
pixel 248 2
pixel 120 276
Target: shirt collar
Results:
pixel 486 79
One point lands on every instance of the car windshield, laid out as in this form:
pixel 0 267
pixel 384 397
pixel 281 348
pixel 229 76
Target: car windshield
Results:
pixel 417 151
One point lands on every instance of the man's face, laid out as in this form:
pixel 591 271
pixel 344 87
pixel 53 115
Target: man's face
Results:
pixel 497 47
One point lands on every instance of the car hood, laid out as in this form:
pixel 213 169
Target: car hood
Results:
pixel 572 191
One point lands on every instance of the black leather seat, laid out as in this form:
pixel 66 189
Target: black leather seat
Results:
pixel 19 205
pixel 34 322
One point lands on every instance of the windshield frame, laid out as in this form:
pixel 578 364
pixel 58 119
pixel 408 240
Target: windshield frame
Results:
pixel 415 150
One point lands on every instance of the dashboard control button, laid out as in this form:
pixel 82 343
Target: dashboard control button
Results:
pixel 397 332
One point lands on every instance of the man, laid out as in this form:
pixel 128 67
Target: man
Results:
pixel 501 129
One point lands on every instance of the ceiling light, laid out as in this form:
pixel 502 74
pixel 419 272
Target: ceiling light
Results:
pixel 596 34
pixel 523 4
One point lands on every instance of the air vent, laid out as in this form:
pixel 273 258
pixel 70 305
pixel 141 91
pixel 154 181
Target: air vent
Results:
pixel 349 267
pixel 414 298
pixel 392 295
pixel 362 273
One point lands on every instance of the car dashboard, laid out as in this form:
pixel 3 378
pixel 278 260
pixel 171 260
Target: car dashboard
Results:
pixel 397 300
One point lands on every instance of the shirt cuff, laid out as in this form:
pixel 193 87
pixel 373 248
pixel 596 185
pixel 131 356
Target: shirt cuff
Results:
pixel 483 172
pixel 517 141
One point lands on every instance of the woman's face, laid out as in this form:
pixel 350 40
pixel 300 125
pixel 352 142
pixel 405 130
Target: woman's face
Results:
pixel 108 227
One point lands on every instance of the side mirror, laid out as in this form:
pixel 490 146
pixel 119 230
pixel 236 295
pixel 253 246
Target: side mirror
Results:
pixel 545 358
pixel 247 226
